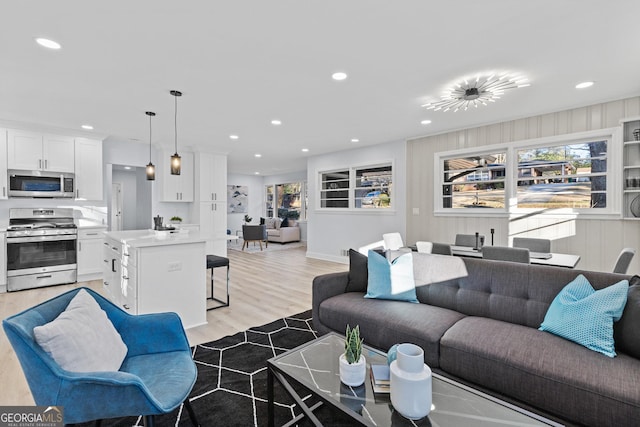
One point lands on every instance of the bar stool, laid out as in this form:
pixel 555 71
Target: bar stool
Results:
pixel 214 261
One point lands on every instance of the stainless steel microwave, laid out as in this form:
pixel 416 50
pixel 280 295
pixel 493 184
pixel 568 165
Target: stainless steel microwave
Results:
pixel 41 184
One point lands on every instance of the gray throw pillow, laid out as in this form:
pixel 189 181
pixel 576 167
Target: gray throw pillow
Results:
pixel 82 338
pixel 625 331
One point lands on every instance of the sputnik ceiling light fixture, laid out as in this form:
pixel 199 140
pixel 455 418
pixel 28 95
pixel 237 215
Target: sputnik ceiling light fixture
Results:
pixel 151 169
pixel 175 159
pixel 478 91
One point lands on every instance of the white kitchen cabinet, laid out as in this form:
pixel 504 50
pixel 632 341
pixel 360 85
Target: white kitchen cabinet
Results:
pixel 176 188
pixel 4 183
pixel 34 151
pixel 212 217
pixel 90 253
pixel 211 182
pixel 3 262
pixel 88 169
pixel 112 270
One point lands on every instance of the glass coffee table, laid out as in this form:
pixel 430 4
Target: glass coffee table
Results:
pixel 314 365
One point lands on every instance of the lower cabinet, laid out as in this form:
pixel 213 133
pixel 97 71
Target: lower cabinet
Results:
pixel 90 259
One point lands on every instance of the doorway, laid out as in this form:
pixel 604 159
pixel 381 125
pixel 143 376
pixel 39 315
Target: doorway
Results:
pixel 130 199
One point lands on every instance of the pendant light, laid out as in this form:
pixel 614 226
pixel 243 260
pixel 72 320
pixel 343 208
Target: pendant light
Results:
pixel 151 169
pixel 175 159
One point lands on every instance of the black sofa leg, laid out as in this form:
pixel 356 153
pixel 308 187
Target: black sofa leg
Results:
pixel 192 415
pixel 149 421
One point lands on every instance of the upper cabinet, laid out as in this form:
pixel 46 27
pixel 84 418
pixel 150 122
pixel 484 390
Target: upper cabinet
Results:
pixel 34 151
pixel 176 188
pixel 88 167
pixel 212 177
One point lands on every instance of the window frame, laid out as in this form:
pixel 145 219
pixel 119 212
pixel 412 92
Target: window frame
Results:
pixel 351 195
pixel 613 175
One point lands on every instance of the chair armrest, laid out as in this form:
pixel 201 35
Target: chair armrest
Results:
pixel 153 333
pixel 327 286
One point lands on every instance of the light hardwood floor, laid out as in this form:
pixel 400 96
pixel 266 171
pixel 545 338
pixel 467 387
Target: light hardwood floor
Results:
pixel 263 286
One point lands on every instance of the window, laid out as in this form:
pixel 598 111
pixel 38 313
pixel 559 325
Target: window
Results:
pixel 562 172
pixel 368 187
pixel 288 200
pixel 474 182
pixel 563 176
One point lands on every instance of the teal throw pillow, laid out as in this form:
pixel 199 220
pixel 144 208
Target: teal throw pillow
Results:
pixel 583 315
pixel 393 280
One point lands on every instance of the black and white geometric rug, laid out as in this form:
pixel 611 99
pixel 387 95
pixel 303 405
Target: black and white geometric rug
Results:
pixel 231 389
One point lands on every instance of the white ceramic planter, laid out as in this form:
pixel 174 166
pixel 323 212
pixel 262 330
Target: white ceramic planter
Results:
pixel 353 374
pixel 410 383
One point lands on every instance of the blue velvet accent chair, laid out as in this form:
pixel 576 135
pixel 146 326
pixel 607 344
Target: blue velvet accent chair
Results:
pixel 156 376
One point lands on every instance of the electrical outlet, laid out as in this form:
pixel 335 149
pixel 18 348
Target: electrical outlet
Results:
pixel 175 266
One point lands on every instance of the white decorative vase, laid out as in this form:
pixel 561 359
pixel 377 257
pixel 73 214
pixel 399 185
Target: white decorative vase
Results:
pixel 353 374
pixel 410 383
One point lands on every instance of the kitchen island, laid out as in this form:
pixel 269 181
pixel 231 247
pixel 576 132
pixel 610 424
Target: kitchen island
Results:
pixel 150 272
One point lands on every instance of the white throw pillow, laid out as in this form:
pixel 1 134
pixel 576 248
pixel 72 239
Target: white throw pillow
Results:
pixel 82 338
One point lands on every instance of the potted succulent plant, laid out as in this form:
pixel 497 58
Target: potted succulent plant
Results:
pixel 175 220
pixel 353 366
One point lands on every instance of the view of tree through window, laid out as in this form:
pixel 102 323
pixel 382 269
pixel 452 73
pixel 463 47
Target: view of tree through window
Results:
pixel 373 187
pixel 368 187
pixel 289 200
pixel 563 176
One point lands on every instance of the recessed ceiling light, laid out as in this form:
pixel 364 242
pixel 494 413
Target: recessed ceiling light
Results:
pixel 233 136
pixel 257 173
pixel 425 122
pixel 257 155
pixel 305 150
pixel 355 140
pixel 50 44
pixel 339 76
pixel 87 127
pixel 276 122
pixel 584 85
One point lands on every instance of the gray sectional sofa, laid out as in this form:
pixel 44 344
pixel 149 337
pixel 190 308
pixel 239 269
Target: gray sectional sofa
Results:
pixel 477 321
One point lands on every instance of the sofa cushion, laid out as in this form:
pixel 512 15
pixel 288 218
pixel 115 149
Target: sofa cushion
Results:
pixel 384 322
pixel 544 370
pixel 625 332
pixel 358 272
pixel 391 280
pixel 583 315
pixel 82 338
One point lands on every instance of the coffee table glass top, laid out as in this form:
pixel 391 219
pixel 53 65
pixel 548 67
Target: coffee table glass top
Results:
pixel 315 366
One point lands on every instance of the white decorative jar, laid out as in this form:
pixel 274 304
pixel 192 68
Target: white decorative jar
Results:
pixel 353 374
pixel 410 382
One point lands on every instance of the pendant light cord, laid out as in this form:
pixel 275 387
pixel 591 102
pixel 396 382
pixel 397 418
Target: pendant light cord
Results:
pixel 149 138
pixel 175 123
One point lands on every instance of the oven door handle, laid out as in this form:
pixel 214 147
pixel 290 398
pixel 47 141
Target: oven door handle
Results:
pixel 32 239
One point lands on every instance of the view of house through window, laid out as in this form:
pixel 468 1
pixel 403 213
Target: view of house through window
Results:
pixel 286 200
pixel 563 176
pixel 368 187
pixel 474 182
pixel 551 176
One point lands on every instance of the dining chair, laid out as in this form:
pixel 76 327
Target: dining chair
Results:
pixel 143 385
pixel 392 241
pixel 424 247
pixel 623 261
pixel 441 249
pixel 533 244
pixel 505 253
pixel 467 240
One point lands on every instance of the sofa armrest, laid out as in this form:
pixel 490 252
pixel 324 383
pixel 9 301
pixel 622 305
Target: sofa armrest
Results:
pixel 327 286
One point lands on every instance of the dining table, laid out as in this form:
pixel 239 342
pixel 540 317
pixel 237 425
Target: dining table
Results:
pixel 539 258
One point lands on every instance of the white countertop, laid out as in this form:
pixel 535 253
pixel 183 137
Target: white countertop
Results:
pixel 148 238
pixel 88 223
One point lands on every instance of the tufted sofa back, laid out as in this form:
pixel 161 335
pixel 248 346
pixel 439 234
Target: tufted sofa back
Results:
pixel 512 292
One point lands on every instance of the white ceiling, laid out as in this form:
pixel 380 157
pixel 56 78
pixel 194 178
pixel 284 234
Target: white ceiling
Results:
pixel 241 64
